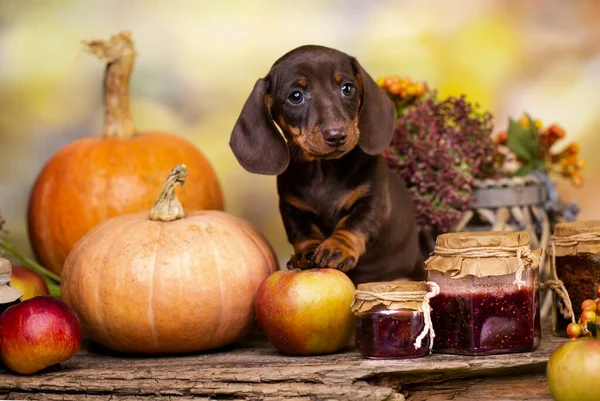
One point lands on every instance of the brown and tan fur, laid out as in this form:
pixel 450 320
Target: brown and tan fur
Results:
pixel 341 206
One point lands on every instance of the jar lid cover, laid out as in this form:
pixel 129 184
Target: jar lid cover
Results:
pixel 483 239
pixel 393 286
pixel 575 237
pixel 569 228
pixel 391 294
pixel 482 254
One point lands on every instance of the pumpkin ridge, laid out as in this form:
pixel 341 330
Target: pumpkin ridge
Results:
pixel 151 294
pixel 217 260
pixel 115 234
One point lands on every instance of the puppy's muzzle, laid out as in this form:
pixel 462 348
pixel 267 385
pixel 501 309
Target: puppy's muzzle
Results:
pixel 334 137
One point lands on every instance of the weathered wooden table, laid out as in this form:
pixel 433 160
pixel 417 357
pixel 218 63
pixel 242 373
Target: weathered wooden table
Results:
pixel 255 371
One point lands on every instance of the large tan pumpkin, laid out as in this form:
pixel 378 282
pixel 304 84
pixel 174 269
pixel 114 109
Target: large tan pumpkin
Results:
pixel 120 172
pixel 167 282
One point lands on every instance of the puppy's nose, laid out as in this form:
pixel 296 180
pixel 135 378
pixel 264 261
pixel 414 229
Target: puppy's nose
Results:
pixel 334 137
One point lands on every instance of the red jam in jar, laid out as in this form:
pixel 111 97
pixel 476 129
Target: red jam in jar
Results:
pixel 576 264
pixel 390 324
pixel 487 322
pixel 488 314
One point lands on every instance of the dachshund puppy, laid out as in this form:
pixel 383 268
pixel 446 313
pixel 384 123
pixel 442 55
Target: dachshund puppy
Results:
pixel 341 206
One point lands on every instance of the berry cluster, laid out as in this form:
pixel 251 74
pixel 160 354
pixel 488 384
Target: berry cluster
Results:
pixel 439 147
pixel 402 90
pixel 589 311
pixel 566 163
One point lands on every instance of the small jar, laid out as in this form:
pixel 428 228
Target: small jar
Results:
pixel 489 293
pixel 9 296
pixel 393 320
pixel 576 263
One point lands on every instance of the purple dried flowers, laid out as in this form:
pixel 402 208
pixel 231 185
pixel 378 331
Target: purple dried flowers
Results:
pixel 439 147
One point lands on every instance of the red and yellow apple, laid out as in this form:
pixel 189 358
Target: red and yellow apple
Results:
pixel 28 282
pixel 306 312
pixel 37 333
pixel 574 370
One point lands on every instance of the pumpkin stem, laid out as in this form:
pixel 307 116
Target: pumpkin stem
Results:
pixel 119 54
pixel 167 207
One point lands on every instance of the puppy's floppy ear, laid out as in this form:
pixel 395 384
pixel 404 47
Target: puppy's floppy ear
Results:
pixel 256 143
pixel 376 115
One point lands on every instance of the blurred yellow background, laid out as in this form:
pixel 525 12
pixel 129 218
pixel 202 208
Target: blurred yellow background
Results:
pixel 198 61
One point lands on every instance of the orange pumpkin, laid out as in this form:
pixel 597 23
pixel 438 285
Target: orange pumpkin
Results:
pixel 121 172
pixel 167 282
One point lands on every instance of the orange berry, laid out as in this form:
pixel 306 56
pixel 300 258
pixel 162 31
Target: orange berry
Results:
pixel 395 89
pixel 574 330
pixel 419 89
pixel 501 138
pixel 556 131
pixel 573 148
pixel 380 82
pixel 589 304
pixel 588 316
pixel 388 82
pixel 577 179
pixel 524 122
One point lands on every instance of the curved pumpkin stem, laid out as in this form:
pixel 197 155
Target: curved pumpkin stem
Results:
pixel 167 207
pixel 119 54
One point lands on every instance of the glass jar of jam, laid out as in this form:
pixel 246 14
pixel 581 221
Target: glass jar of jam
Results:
pixel 575 253
pixel 489 293
pixel 393 319
pixel 9 296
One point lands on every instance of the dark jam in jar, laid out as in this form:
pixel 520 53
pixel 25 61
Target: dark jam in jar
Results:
pixel 492 322
pixel 383 333
pixel 580 274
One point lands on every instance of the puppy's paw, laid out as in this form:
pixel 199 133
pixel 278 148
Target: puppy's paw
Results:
pixel 302 260
pixel 335 255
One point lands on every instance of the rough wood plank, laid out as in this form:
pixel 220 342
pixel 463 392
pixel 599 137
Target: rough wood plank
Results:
pixel 519 388
pixel 255 370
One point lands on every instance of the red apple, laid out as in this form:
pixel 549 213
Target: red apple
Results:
pixel 38 333
pixel 30 283
pixel 573 370
pixel 306 312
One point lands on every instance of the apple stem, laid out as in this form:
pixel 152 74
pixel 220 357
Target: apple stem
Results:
pixel 29 262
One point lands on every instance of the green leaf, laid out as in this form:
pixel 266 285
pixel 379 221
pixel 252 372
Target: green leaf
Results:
pixel 520 141
pixel 524 170
pixel 535 136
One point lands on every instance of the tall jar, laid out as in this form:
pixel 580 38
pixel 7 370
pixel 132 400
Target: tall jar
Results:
pixel 575 252
pixel 489 293
pixel 393 319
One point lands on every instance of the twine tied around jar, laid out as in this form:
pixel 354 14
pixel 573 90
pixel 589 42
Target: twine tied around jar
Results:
pixel 407 296
pixel 521 252
pixel 555 284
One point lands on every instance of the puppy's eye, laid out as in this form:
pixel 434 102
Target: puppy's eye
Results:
pixel 347 89
pixel 296 97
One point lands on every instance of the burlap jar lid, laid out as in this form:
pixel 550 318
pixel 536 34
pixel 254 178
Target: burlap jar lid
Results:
pixel 7 293
pixel 393 295
pixel 483 253
pixel 577 237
